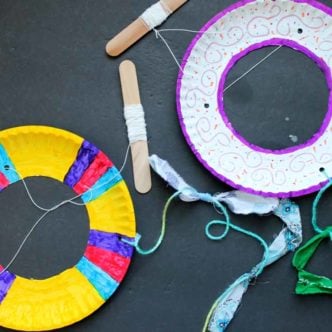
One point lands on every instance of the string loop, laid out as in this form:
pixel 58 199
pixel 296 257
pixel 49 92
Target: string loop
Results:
pixel 202 196
pixel 316 202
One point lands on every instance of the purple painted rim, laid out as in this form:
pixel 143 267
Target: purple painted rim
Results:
pixel 297 47
pixel 229 9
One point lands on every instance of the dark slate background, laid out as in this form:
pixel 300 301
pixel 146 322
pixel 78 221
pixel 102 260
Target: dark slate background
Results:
pixel 54 71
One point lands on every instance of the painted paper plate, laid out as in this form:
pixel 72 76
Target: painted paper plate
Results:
pixel 303 25
pixel 39 305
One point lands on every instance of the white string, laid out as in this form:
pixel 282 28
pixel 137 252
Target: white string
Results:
pixel 136 126
pixel 188 30
pixel 159 35
pixel 252 68
pixel 55 207
pixel 155 15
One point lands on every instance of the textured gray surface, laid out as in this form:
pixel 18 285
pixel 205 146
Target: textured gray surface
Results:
pixel 54 72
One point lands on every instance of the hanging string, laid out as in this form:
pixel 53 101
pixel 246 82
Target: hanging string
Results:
pixel 252 68
pixel 202 196
pixel 159 35
pixel 317 200
pixel 53 208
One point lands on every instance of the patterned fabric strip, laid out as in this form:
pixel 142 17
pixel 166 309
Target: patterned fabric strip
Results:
pixel 85 157
pixel 6 280
pixel 97 168
pixel 288 240
pixel 112 263
pixel 110 241
pixel 101 281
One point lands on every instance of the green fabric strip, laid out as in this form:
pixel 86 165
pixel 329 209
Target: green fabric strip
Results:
pixel 309 283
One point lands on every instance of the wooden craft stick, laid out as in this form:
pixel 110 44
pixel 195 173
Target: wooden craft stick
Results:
pixel 139 149
pixel 136 30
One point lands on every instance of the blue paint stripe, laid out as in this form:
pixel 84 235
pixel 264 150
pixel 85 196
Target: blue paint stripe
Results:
pixel 107 181
pixel 104 283
pixel 7 167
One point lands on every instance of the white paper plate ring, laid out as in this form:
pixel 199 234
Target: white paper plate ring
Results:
pixel 304 25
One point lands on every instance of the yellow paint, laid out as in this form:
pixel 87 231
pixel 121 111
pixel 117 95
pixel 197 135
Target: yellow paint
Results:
pixel 39 305
pixel 113 211
pixel 41 151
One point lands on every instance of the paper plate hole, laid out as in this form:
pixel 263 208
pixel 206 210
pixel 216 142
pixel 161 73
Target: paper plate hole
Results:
pixel 56 244
pixel 299 30
pixel 206 105
pixel 6 167
pixel 287 85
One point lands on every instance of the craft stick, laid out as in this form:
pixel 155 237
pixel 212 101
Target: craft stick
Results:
pixel 137 29
pixel 139 149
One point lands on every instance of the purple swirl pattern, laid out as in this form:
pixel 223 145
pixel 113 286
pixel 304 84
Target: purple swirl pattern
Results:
pixel 213 54
pixel 207 87
pixel 233 36
pixel 284 26
pixel 205 132
pixel 260 26
pixel 266 177
pixel 325 45
pixel 231 161
pixel 303 160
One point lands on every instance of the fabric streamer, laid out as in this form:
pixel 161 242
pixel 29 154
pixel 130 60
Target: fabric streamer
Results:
pixel 155 15
pixel 310 283
pixel 224 308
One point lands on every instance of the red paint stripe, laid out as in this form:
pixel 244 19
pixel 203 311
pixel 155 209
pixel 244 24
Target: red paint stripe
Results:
pixel 3 181
pixel 95 171
pixel 110 262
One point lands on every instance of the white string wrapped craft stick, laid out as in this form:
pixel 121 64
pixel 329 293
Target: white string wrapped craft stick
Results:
pixel 135 121
pixel 151 18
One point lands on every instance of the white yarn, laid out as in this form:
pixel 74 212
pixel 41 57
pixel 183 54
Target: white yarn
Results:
pixel 155 15
pixel 136 126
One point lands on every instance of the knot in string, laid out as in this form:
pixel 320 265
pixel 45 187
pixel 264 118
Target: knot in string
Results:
pixel 206 197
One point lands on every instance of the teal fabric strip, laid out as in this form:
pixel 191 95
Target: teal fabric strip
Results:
pixel 7 167
pixel 104 283
pixel 107 181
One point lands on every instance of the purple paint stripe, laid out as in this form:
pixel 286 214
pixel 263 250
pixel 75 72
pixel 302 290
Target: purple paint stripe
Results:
pixel 85 157
pixel 6 280
pixel 297 47
pixel 111 241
